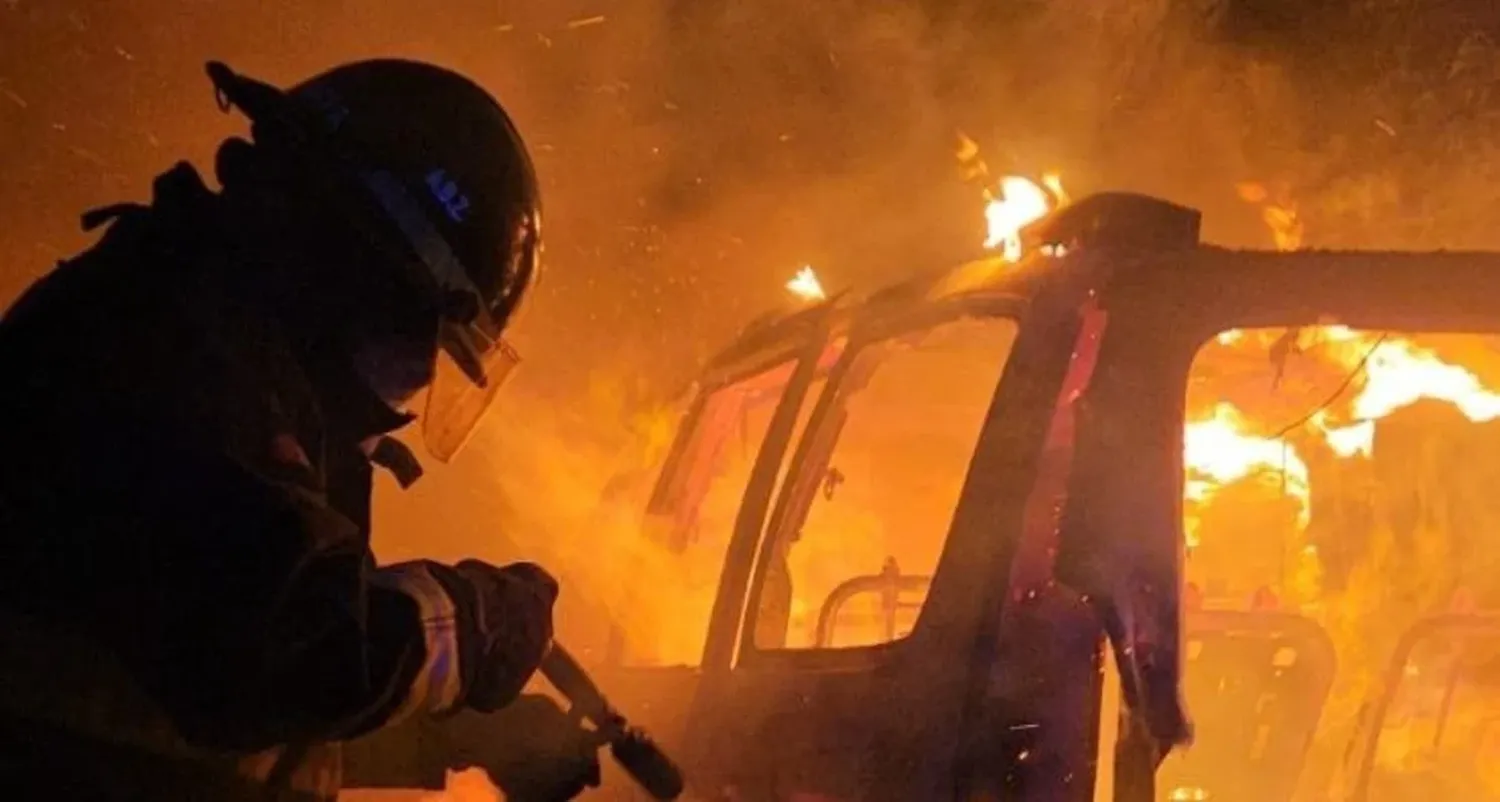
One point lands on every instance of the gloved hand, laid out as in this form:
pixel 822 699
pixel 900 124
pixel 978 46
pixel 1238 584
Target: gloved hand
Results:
pixel 534 751
pixel 509 629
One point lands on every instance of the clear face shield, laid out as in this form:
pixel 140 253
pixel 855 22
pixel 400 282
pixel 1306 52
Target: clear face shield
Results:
pixel 473 361
pixel 456 402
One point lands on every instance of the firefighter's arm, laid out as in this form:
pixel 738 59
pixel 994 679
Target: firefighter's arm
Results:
pixel 266 622
pixel 349 648
pixel 277 631
pixel 484 631
pixel 283 631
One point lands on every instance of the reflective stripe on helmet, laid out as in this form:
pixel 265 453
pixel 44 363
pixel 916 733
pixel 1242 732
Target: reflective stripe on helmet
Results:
pixel 431 247
pixel 442 263
pixel 471 337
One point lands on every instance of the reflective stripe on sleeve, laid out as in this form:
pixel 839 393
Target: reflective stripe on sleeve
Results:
pixel 436 687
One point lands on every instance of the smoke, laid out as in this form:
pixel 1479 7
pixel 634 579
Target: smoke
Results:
pixel 695 153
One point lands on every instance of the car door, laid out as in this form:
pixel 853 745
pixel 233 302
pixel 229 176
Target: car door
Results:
pixel 912 469
pixel 726 459
pixel 1122 536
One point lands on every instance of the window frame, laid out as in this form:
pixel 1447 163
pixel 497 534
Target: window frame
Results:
pixel 801 343
pixel 1121 533
pixel 866 332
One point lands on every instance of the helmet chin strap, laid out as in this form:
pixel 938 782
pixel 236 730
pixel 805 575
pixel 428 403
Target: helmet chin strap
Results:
pixel 392 455
pixel 396 381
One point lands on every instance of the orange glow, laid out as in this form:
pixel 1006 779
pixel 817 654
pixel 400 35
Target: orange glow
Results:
pixel 805 285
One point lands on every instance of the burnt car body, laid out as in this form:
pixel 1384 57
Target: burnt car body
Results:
pixel 1063 556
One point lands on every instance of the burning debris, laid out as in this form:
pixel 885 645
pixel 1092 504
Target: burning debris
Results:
pixel 1365 510
pixel 1376 375
pixel 806 286
pixel 1019 203
pixel 1013 203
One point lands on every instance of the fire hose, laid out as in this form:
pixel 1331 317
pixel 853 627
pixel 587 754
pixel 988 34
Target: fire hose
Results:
pixel 631 747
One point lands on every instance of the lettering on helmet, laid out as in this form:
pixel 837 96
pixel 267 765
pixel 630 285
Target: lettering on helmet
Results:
pixel 434 251
pixel 448 195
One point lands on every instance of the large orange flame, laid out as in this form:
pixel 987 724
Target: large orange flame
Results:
pixel 1386 373
pixel 1219 450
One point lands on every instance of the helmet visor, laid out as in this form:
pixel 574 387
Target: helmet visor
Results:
pixel 456 402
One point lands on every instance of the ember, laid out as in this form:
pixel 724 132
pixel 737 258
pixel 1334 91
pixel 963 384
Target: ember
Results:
pixel 805 285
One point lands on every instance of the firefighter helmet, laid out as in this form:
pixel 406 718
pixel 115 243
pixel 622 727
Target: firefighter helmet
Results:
pixel 445 172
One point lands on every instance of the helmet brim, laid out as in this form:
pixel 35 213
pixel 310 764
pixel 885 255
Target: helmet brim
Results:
pixel 456 403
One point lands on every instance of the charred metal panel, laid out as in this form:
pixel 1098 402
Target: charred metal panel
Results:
pixel 1118 221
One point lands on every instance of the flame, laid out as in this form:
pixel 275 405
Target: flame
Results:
pixel 1398 373
pixel 1386 373
pixel 1053 183
pixel 1279 213
pixel 805 285
pixel 1019 203
pixel 1356 439
pixel 1219 450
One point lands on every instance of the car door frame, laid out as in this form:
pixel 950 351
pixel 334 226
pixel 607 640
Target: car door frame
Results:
pixel 801 340
pixel 1121 539
pixel 908 748
pixel 811 454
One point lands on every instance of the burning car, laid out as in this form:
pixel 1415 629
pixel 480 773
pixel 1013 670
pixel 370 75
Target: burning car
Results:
pixel 932 540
